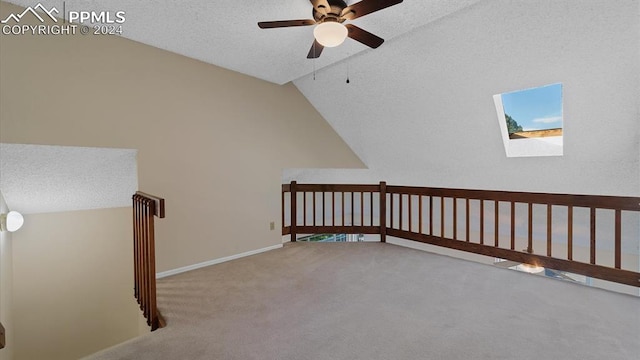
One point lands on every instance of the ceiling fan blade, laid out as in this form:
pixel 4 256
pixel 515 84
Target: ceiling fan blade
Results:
pixel 321 6
pixel 365 7
pixel 364 36
pixel 315 51
pixel 285 23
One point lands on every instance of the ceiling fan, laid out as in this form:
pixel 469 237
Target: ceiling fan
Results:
pixel 328 16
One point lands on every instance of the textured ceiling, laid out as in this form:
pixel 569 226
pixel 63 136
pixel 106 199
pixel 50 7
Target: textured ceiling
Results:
pixel 42 179
pixel 420 109
pixel 225 33
pixel 422 104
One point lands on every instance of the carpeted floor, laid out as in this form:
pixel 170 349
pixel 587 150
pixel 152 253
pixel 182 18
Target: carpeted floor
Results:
pixel 381 301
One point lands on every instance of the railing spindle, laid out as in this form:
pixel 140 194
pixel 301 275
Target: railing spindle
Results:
pixel 145 297
pixel 442 216
pixel 324 214
pixel 513 225
pixel 333 208
pixel 353 209
pixel 371 209
pixel 153 317
pixel 530 228
pixel 383 211
pixel 135 247
pixel 570 233
pixel 496 225
pixel 467 231
pixel 282 208
pixel 141 253
pixel 361 208
pixel 592 242
pixel 549 230
pixel 481 222
pixel 410 212
pixel 400 209
pixel 618 239
pixel 294 211
pixel 304 208
pixel 391 209
pixel 455 218
pixel 420 214
pixel 430 215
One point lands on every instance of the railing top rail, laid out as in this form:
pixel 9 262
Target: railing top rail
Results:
pixel 629 203
pixel 337 187
pixel 159 203
pixel 598 201
pixel 333 187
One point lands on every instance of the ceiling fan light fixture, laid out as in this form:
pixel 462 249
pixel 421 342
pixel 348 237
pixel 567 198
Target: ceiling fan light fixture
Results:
pixel 330 33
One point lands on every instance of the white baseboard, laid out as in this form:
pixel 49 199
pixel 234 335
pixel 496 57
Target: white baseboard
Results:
pixel 214 261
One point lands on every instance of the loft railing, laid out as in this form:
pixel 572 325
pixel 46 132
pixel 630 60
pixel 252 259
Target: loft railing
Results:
pixel 542 229
pixel 145 207
pixel 318 217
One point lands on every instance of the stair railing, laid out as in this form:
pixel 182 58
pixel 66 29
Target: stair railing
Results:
pixel 145 207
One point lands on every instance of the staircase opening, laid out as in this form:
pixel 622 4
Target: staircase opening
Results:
pixel 332 238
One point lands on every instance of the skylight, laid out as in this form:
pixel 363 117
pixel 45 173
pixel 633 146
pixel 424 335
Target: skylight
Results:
pixel 531 121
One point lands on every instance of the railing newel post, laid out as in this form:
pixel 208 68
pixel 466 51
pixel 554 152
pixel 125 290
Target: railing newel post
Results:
pixel 383 211
pixel 294 210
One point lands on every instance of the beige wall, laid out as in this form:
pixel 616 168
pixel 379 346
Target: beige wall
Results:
pixel 6 286
pixel 212 142
pixel 71 293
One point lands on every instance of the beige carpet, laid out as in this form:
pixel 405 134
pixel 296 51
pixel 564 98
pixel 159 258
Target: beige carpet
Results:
pixel 381 301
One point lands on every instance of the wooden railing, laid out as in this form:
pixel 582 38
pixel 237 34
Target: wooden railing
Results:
pixel 541 229
pixel 145 207
pixel 3 340
pixel 334 224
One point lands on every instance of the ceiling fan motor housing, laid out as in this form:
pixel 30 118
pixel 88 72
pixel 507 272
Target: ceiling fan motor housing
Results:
pixel 328 15
pixel 333 13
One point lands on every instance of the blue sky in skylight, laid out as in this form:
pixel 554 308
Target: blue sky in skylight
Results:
pixel 535 109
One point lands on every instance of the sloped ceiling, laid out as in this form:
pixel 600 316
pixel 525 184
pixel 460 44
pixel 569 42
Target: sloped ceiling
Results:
pixel 420 110
pixel 422 102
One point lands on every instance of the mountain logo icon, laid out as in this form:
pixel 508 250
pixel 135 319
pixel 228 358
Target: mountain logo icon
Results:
pixel 32 10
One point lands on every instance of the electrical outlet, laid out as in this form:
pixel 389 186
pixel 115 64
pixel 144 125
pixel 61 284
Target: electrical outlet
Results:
pixel 272 225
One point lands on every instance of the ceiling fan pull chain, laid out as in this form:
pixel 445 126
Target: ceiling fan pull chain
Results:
pixel 347 68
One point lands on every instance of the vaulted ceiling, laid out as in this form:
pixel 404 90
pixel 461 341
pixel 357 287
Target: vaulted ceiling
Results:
pixel 422 102
pixel 225 33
